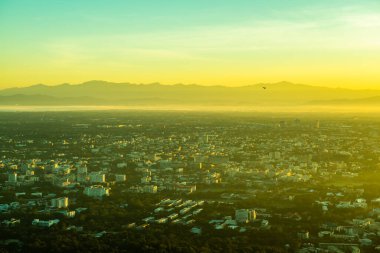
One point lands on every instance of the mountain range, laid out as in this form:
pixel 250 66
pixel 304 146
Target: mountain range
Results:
pixel 127 94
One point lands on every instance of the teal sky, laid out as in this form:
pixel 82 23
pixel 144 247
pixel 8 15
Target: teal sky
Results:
pixel 331 43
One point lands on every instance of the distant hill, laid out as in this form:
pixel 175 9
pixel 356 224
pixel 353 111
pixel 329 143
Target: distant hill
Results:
pixel 363 101
pixel 26 100
pixel 106 93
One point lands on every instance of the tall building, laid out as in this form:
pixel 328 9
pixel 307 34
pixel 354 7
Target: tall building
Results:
pixel 245 215
pixel 12 177
pixel 62 202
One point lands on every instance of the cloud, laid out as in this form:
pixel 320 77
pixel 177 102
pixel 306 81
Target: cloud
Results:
pixel 370 20
pixel 348 29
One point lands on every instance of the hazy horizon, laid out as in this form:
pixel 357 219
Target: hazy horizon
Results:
pixel 178 108
pixel 190 84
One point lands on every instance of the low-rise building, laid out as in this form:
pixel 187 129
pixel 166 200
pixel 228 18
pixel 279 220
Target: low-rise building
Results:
pixel 42 223
pixel 96 191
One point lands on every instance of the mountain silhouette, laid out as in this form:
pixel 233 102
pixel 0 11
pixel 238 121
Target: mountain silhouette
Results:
pixel 108 93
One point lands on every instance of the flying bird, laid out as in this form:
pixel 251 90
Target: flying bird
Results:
pixel 264 87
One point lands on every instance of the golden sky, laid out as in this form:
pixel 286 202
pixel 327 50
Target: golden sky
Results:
pixel 233 43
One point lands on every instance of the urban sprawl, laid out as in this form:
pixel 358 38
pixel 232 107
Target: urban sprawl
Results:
pixel 279 183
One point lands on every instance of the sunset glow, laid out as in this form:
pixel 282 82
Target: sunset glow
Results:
pixel 233 43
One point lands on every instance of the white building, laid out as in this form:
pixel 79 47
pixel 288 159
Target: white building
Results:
pixel 97 177
pixel 29 173
pixel 12 177
pixel 10 223
pixel 67 213
pixel 82 170
pixel 121 165
pixel 4 207
pixel 120 178
pixel 245 215
pixel 82 177
pixel 185 188
pixel 150 188
pixel 145 180
pixel 42 223
pixel 14 166
pixel 96 191
pixel 62 202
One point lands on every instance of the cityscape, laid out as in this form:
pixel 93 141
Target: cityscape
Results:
pixel 189 126
pixel 189 182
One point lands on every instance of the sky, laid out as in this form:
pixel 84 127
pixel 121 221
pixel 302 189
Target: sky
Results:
pixel 333 43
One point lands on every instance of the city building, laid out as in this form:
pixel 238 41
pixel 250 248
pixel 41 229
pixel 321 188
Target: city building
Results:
pixel 12 177
pixel 97 177
pixel 82 170
pixel 120 178
pixel 245 215
pixel 42 223
pixel 62 202
pixel 96 191
pixel 150 188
